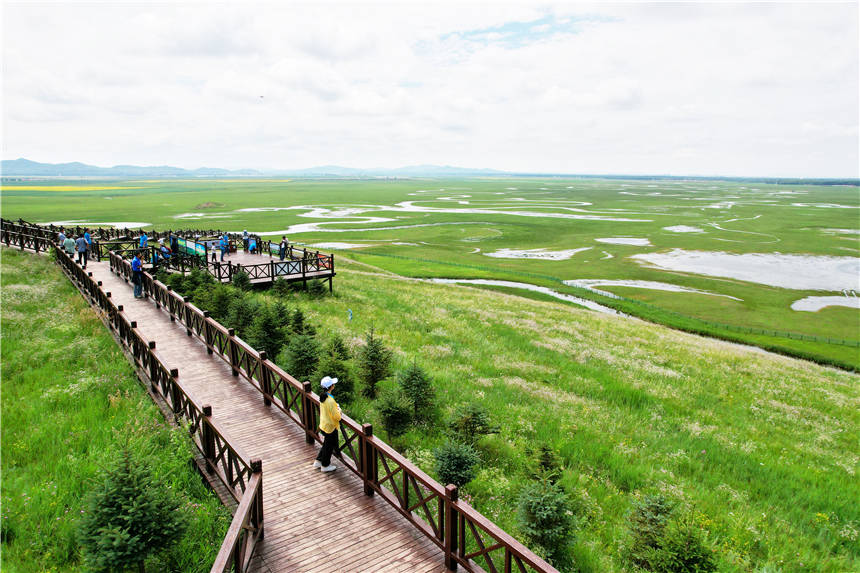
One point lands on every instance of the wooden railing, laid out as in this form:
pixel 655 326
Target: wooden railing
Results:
pixel 467 538
pixel 241 476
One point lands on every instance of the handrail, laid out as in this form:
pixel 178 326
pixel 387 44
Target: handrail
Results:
pixel 237 549
pixel 463 533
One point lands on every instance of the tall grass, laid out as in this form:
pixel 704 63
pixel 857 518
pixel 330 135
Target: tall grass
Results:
pixel 70 402
pixel 760 450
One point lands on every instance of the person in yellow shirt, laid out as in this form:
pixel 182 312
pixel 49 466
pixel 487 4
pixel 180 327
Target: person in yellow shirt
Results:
pixel 329 424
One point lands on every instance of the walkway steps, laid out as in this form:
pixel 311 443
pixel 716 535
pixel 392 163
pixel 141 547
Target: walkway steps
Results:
pixel 313 521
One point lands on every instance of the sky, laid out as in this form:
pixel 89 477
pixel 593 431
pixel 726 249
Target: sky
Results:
pixel 730 89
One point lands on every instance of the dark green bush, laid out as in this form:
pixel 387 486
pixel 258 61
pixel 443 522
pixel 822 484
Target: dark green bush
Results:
pixel 128 516
pixel 241 314
pixel 683 550
pixel 268 329
pixel 647 523
pixel 456 463
pixel 662 541
pixel 299 325
pixel 300 357
pixel 418 390
pixel 317 289
pixel 337 347
pixel 549 463
pixel 373 362
pixel 544 514
pixel 241 280
pixel 395 412
pixel 281 288
pixel 471 421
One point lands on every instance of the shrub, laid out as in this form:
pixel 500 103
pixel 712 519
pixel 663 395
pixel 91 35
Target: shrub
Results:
pixel 267 329
pixel 241 280
pixel 127 518
pixel 417 388
pixel 300 357
pixel 241 313
pixel 281 288
pixel 647 523
pixel 374 363
pixel 336 368
pixel 682 550
pixel 549 463
pixel 317 288
pixel 299 325
pixel 221 298
pixel 395 412
pixel 196 278
pixel 337 347
pixel 455 463
pixel 544 515
pixel 661 541
pixel 471 421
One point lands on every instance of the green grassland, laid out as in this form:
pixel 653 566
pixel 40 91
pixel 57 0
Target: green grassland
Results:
pixel 436 242
pixel 70 403
pixel 760 449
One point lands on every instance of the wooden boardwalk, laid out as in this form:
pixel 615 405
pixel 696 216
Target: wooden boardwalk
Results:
pixel 313 521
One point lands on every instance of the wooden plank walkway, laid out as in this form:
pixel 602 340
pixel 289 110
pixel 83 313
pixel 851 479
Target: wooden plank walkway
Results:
pixel 313 521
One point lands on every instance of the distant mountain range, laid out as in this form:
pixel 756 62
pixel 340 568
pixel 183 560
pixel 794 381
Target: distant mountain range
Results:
pixel 26 168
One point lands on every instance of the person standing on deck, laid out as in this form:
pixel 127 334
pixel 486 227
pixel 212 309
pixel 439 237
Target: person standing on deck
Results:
pixel 329 424
pixel 245 239
pixel 61 236
pixel 142 240
pixel 137 276
pixel 282 248
pixel 224 245
pixel 81 247
pixel 69 245
pixel 89 241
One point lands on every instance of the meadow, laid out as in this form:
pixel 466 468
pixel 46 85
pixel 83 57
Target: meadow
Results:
pixel 70 404
pixel 742 253
pixel 758 450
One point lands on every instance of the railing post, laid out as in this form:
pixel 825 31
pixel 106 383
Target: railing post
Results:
pixel 208 438
pixel 265 379
pixel 207 332
pixel 451 495
pixel 307 412
pixel 187 314
pixel 234 354
pixel 368 460
pixel 153 368
pixel 167 306
pixel 175 394
pixel 257 515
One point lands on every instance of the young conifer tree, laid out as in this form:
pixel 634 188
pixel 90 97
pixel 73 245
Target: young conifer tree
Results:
pixel 374 363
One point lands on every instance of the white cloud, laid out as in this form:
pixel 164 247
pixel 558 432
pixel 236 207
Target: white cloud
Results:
pixel 733 89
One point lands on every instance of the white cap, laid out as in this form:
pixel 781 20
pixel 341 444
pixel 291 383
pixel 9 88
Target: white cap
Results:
pixel 327 382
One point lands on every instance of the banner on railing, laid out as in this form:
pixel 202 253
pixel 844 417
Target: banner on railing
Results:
pixel 189 247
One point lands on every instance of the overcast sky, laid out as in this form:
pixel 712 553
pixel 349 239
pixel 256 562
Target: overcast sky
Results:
pixel 697 89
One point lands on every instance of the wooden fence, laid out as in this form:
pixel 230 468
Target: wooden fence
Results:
pixel 464 535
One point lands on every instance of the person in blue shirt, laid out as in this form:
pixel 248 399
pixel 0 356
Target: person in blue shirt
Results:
pixel 252 245
pixel 143 239
pixel 163 250
pixel 224 244
pixel 81 248
pixel 137 276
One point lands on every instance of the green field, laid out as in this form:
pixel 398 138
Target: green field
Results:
pixel 451 226
pixel 758 450
pixel 70 404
